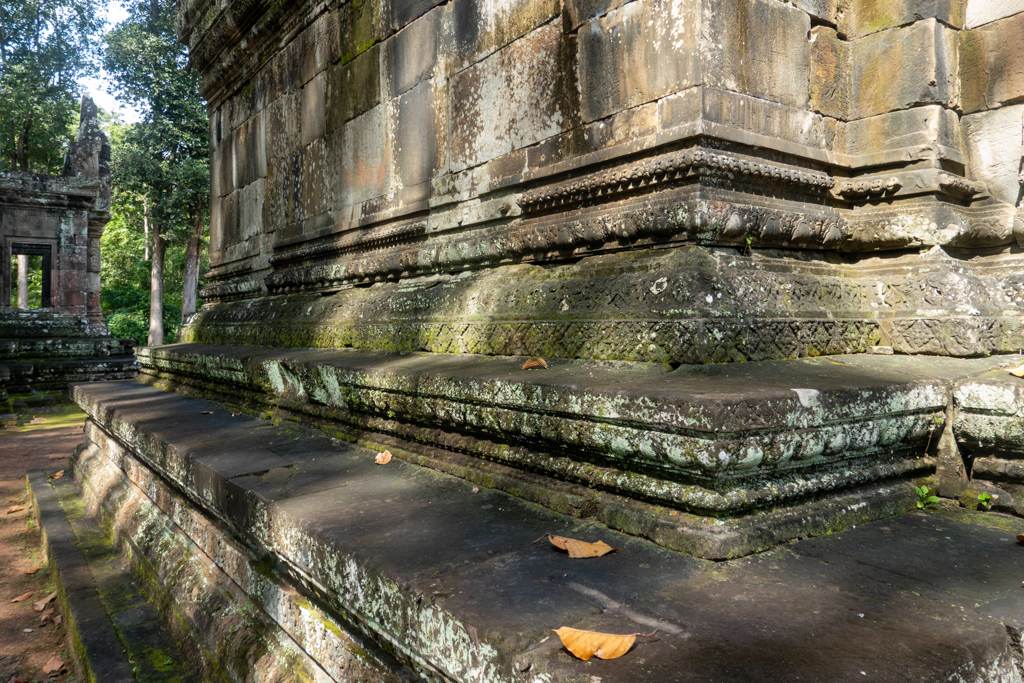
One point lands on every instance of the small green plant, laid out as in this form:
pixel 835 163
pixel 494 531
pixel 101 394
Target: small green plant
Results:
pixel 984 497
pixel 925 497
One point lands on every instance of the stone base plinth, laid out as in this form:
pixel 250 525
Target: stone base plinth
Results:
pixel 353 571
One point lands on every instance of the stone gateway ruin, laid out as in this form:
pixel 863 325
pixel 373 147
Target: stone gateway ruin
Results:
pixel 772 254
pixel 50 227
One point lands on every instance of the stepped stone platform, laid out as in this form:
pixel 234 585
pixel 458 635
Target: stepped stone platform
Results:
pixel 305 560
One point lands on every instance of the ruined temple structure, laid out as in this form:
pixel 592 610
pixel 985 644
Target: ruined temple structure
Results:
pixel 58 219
pixel 771 253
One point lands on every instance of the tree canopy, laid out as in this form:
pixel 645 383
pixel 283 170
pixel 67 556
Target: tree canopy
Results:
pixel 46 46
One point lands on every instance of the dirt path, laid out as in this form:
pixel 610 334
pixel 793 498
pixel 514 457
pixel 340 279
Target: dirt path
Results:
pixel 42 439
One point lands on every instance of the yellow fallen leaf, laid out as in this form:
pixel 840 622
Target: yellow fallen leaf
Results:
pixel 54 665
pixel 587 644
pixel 56 475
pixel 40 605
pixel 33 570
pixel 23 597
pixel 1017 371
pixel 578 549
pixel 383 458
pixel 534 363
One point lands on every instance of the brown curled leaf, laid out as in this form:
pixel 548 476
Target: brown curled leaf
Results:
pixel 15 508
pixel 40 605
pixel 23 597
pixel 54 665
pixel 1017 371
pixel 535 363
pixel 56 475
pixel 206 412
pixel 579 549
pixel 587 644
pixel 383 458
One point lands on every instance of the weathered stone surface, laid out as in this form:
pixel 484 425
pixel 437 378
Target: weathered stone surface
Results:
pixel 493 114
pixel 994 142
pixel 353 88
pixel 411 54
pixel 638 53
pixel 759 48
pixel 473 30
pixel 981 12
pixel 928 132
pixel 990 74
pixel 870 16
pixel 883 72
pixel 327 514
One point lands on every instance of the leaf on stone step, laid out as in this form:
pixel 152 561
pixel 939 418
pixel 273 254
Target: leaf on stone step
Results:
pixel 23 597
pixel 15 508
pixel 383 458
pixel 579 549
pixel 535 363
pixel 33 570
pixel 45 616
pixel 206 412
pixel 54 665
pixel 56 475
pixel 40 605
pixel 587 644
pixel 1017 371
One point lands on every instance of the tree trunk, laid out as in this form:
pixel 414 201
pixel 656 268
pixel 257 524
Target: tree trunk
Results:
pixel 156 290
pixel 22 280
pixel 145 226
pixel 188 296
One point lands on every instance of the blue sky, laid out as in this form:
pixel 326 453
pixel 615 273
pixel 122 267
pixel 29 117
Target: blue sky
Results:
pixel 97 86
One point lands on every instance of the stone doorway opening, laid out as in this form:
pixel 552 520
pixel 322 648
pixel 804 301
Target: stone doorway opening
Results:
pixel 29 275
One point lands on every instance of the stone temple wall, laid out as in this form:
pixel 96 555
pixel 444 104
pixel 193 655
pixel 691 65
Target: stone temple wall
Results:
pixel 61 219
pixel 687 182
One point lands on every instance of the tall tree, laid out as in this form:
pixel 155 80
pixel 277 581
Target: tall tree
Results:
pixel 46 46
pixel 164 157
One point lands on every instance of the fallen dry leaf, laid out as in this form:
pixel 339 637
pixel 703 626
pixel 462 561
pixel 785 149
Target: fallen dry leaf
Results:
pixel 1017 371
pixel 33 570
pixel 56 475
pixel 54 665
pixel 578 549
pixel 18 679
pixel 587 644
pixel 1020 537
pixel 45 616
pixel 534 363
pixel 15 508
pixel 40 605
pixel 383 458
pixel 206 412
pixel 23 597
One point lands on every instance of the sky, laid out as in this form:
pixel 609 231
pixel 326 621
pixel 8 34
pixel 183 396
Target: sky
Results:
pixel 97 86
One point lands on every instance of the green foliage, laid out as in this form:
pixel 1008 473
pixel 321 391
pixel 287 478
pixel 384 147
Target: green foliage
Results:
pixel 984 497
pixel 46 46
pixel 35 281
pixel 925 497
pixel 163 158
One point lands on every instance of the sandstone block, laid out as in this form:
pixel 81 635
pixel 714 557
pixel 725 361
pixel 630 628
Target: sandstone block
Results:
pixel 224 230
pixel 759 48
pixel 250 209
pixel 314 182
pixel 994 146
pixel 888 71
pixel 360 26
pixel 250 151
pixel 222 175
pixel 474 29
pixel 361 153
pixel 822 10
pixel 410 55
pixel 980 12
pixel 919 133
pixel 284 120
pixel 313 110
pixel 416 135
pixel 638 53
pixel 514 98
pixel 992 64
pixel 778 124
pixel 864 17
pixel 353 88
pixel 401 13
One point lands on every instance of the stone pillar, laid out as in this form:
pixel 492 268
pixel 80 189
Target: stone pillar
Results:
pixel 22 280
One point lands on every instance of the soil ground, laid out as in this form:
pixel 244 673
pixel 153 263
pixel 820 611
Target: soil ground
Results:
pixel 43 437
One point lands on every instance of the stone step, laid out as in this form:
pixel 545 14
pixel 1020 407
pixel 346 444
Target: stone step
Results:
pixel 55 375
pixel 118 632
pixel 355 570
pixel 715 460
